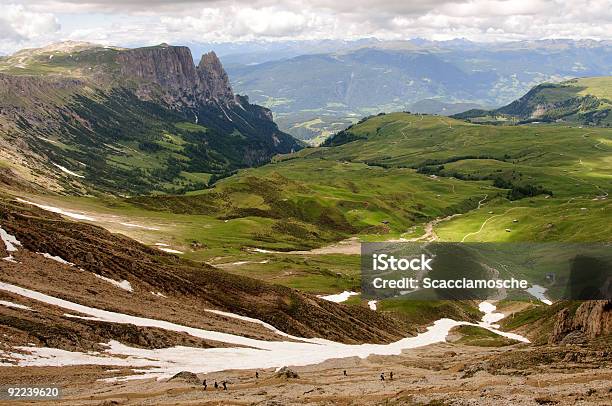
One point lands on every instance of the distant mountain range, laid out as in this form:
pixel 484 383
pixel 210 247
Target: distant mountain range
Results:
pixel 338 87
pixel 78 117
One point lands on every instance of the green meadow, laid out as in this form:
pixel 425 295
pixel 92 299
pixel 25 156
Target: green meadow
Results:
pixel 381 179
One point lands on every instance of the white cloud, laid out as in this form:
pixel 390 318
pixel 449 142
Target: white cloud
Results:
pixel 492 8
pixel 20 25
pixel 247 23
pixel 148 21
pixel 29 24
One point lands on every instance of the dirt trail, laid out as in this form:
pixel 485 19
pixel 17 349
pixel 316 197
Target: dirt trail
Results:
pixel 430 234
pixel 352 246
pixel 439 374
pixel 487 220
pixel 605 192
pixel 450 125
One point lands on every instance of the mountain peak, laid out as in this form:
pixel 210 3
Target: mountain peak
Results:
pixel 210 55
pixel 68 46
pixel 215 79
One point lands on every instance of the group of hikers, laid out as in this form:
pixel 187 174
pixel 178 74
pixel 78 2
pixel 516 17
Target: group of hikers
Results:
pixel 382 375
pixel 224 383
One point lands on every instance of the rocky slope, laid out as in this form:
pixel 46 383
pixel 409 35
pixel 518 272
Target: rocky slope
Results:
pixel 78 262
pixel 590 320
pixel 440 374
pixel 79 117
pixel 586 323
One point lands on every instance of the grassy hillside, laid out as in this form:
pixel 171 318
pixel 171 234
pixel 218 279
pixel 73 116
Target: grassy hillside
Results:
pixel 72 59
pixel 403 170
pixel 388 177
pixel 586 101
pixel 118 143
pixel 400 177
pixel 600 87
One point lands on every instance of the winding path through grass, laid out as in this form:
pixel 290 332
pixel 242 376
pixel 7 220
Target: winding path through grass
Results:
pixel 486 221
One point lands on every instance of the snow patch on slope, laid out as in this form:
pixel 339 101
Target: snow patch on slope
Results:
pixel 166 362
pixel 262 251
pixel 56 258
pixel 14 305
pixel 68 171
pixel 10 242
pixel 339 297
pixel 170 250
pixel 537 291
pixel 490 317
pixel 81 216
pixel 76 216
pixel 125 285
pixel 252 320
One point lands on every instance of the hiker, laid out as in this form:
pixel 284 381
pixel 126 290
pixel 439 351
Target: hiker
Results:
pixel 345 373
pixel 382 376
pixel 256 374
pixel 216 385
pixel 224 385
pixel 204 384
pixel 391 375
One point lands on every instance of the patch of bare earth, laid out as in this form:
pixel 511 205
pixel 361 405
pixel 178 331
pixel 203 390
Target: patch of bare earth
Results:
pixel 442 374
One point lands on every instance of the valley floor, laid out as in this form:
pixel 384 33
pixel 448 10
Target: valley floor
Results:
pixel 297 223
pixel 440 374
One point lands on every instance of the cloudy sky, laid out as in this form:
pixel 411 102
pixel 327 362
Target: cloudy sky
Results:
pixel 26 23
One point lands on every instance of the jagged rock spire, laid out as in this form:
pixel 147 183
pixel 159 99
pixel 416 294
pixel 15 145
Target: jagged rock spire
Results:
pixel 215 79
pixel 182 83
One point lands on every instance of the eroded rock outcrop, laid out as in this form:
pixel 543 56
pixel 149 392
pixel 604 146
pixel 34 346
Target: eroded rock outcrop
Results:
pixel 186 376
pixel 590 320
pixel 287 373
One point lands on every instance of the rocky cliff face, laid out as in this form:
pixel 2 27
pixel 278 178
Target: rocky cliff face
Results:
pixel 169 67
pixel 98 99
pixel 591 319
pixel 168 72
